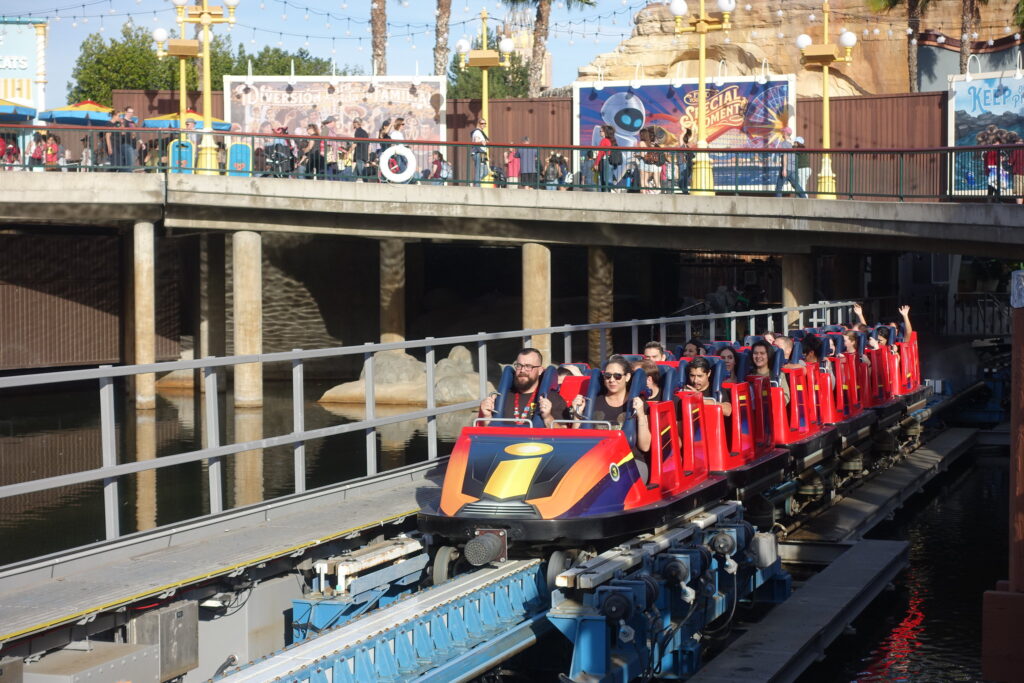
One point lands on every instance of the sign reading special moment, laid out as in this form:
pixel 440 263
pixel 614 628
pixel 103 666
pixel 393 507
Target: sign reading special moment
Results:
pixel 741 113
pixel 982 111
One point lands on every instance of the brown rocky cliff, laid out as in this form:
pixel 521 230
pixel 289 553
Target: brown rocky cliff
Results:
pixel 879 60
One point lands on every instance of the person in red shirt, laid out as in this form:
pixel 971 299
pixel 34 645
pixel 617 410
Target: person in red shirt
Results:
pixel 603 162
pixel 1016 160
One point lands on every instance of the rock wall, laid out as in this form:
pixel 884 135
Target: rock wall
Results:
pixel 761 33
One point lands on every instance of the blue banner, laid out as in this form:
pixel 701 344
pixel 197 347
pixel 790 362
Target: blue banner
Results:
pixel 987 110
pixel 741 113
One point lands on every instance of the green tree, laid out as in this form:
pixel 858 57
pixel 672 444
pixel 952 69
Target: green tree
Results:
pixel 273 61
pixel 541 26
pixel 915 10
pixel 130 63
pixel 507 81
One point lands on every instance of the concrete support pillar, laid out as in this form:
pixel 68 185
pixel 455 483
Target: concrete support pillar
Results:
pixel 600 293
pixel 144 311
pixel 247 266
pixel 797 283
pixel 392 291
pixel 537 294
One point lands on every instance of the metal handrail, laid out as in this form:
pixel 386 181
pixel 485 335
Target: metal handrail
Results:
pixel 900 174
pixel 214 453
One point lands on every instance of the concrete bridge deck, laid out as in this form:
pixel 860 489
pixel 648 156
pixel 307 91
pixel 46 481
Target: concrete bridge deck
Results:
pixel 678 222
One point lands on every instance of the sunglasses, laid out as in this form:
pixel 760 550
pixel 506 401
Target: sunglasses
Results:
pixel 612 375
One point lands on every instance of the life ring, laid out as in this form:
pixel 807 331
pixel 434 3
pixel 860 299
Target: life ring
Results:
pixel 396 176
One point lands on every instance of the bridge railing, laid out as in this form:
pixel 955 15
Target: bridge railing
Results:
pixel 214 452
pixel 948 174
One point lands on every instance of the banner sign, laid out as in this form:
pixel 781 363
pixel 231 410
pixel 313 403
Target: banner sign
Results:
pixel 984 110
pixel 742 112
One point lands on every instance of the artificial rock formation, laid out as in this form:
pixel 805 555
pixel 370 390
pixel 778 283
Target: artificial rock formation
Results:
pixel 879 59
pixel 399 378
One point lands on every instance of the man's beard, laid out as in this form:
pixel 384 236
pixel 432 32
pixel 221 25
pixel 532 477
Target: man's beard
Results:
pixel 523 383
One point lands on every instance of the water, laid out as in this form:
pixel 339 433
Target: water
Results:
pixel 929 627
pixel 44 435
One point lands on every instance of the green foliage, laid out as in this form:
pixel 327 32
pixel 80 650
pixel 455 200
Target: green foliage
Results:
pixel 130 63
pixel 510 81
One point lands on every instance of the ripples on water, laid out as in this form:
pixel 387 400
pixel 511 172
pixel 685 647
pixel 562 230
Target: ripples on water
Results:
pixel 929 628
pixel 50 435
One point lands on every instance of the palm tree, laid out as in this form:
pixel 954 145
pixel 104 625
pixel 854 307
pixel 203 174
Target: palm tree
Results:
pixel 970 14
pixel 915 10
pixel 444 15
pixel 540 36
pixel 379 35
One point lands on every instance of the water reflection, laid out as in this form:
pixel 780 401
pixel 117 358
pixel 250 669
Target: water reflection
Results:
pixel 46 435
pixel 929 628
pixel 247 475
pixel 145 483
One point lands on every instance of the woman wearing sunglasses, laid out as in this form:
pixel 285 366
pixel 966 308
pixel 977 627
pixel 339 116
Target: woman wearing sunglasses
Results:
pixel 610 404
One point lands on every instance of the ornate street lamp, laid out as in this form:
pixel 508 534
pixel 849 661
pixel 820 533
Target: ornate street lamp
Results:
pixel 205 16
pixel 485 59
pixel 701 24
pixel 824 55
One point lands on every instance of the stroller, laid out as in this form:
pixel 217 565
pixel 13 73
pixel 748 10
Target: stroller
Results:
pixel 279 162
pixel 630 179
pixel 498 177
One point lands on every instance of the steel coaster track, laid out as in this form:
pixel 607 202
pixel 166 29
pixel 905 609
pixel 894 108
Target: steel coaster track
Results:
pixel 163 537
pixel 502 606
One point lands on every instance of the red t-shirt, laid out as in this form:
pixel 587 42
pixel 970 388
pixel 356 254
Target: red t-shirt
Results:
pixel 1017 160
pixel 992 157
pixel 605 142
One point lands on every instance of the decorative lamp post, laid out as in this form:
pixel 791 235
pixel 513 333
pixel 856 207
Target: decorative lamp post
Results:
pixel 824 55
pixel 701 23
pixel 205 16
pixel 485 59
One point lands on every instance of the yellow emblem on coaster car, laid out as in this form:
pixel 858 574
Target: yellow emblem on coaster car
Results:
pixel 529 448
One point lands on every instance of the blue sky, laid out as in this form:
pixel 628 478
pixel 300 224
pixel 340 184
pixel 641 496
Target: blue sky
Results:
pixel 577 36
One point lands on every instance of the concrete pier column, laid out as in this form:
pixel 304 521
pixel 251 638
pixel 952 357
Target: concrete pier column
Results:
pixel 600 292
pixel 797 283
pixel 537 294
pixel 247 290
pixel 144 311
pixel 392 291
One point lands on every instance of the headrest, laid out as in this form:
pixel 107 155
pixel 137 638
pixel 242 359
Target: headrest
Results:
pixel 508 376
pixel 633 357
pixel 637 387
pixel 593 389
pixel 775 363
pixel 798 334
pixel 751 338
pixel 715 347
pixel 717 376
pixel 835 328
pixel 743 364
pixel 798 352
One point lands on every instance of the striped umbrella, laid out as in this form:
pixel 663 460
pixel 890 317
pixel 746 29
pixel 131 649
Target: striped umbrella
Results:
pixel 85 112
pixel 172 121
pixel 15 113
